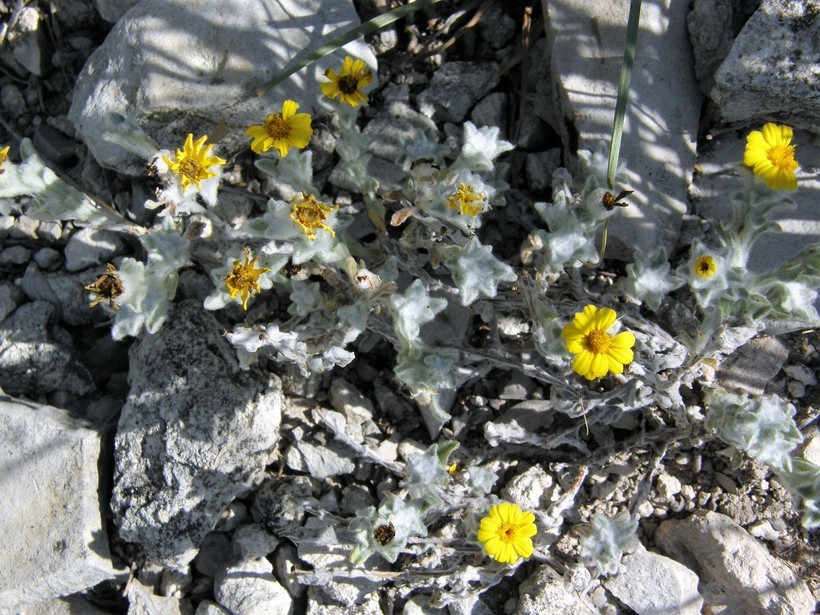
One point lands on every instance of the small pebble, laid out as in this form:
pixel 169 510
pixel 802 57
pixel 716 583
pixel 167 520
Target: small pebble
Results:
pixel 645 509
pixel 668 486
pixel 726 483
pixel 802 374
pixel 688 492
pixel 15 255
pixel 797 389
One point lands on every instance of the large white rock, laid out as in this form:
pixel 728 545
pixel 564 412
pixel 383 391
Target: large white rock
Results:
pixel 545 593
pixel 196 431
pixel 182 67
pixel 585 48
pixel 734 569
pixel 652 584
pixel 249 588
pixel 774 66
pixel 719 175
pixel 54 537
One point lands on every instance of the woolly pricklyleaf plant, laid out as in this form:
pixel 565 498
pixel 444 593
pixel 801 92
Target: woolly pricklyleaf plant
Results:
pixel 606 540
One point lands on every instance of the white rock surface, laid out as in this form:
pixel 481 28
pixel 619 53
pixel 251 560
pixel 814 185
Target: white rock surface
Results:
pixel 253 541
pixel 717 177
pixel 91 246
pixel 249 588
pixel 196 431
pixel 55 540
pixel 168 64
pixel 143 601
pixel 531 490
pixel 652 584
pixel 585 48
pixel 734 569
pixel 773 67
pixel 544 593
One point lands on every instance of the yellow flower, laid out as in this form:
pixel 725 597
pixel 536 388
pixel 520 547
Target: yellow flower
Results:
pixel 467 201
pixel 597 353
pixel 309 215
pixel 193 161
pixel 348 84
pixel 243 280
pixel 771 157
pixel 4 155
pixel 507 533
pixel 705 266
pixel 282 130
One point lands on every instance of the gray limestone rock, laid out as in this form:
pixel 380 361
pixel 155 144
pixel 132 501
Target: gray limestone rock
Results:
pixel 196 432
pixel 752 366
pixel 650 583
pixel 773 67
pixel 65 292
pixel 585 48
pixel 249 588
pixel 10 297
pixel 455 89
pixel 544 593
pixel 280 504
pixel 711 35
pixel 164 56
pixel 35 355
pixel 55 541
pixel 143 601
pixel 112 10
pixel 734 569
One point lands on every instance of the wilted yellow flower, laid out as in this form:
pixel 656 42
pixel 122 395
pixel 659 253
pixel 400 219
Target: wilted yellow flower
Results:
pixel 596 352
pixel 309 215
pixel 507 533
pixel 193 162
pixel 467 201
pixel 771 156
pixel 282 130
pixel 243 280
pixel 705 266
pixel 4 155
pixel 348 84
pixel 107 287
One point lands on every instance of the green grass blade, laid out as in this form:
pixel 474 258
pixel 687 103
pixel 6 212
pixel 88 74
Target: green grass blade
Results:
pixel 340 40
pixel 623 90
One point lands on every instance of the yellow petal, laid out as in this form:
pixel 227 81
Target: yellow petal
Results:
pixel 625 339
pixel 523 547
pixel 605 319
pixel 582 363
pixel 623 355
pixel 599 366
pixel 289 108
pixel 613 365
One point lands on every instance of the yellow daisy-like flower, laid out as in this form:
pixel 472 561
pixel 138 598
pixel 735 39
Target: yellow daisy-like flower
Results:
pixel 467 201
pixel 193 162
pixel 507 533
pixel 596 352
pixel 771 157
pixel 348 84
pixel 705 267
pixel 4 155
pixel 282 130
pixel 309 215
pixel 243 280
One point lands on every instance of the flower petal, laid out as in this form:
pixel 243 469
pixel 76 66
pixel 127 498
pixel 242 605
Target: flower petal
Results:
pixel 605 319
pixel 289 108
pixel 625 339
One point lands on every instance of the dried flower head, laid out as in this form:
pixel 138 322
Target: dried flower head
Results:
pixel 309 215
pixel 507 533
pixel 348 84
pixel 705 266
pixel 771 156
pixel 193 162
pixel 281 130
pixel 597 353
pixel 467 201
pixel 243 280
pixel 384 533
pixel 4 155
pixel 107 287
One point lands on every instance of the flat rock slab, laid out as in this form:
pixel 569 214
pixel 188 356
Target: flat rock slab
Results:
pixel 652 583
pixel 773 67
pixel 719 174
pixel 55 542
pixel 179 67
pixel 196 431
pixel 734 569
pixel 585 48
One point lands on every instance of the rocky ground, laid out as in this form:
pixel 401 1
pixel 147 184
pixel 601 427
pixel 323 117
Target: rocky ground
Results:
pixel 231 495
